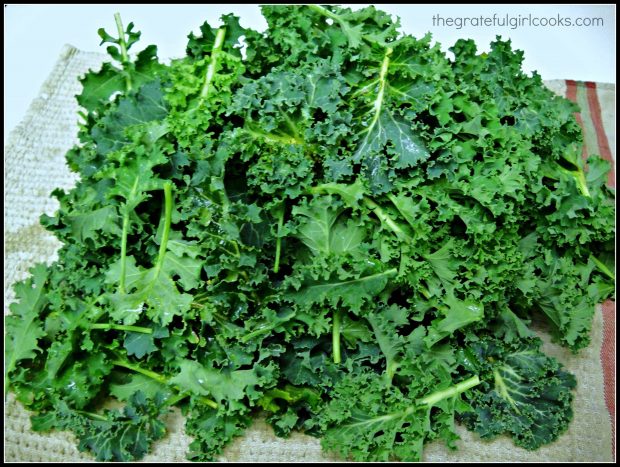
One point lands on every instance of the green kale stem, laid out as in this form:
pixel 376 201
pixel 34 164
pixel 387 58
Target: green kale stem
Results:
pixel 276 264
pixel 121 285
pixel 123 45
pixel 178 398
pixel 235 253
pixel 164 238
pixel 385 64
pixel 433 398
pixel 267 403
pixel 580 177
pixel 217 48
pixel 336 336
pixel 161 379
pixel 603 268
pixel 151 374
pixel 271 138
pixel 452 391
pixel 124 233
pixel 394 201
pixel 424 291
pixel 163 246
pixel 324 12
pixel 121 327
pixel 257 332
pixel 289 394
pixel 95 416
pixel 266 327
pixel 184 395
pixel 385 219
pixel 290 124
pixel 502 390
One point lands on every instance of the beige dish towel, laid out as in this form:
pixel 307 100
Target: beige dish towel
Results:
pixel 35 165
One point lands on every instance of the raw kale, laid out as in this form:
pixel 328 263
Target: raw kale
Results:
pixel 524 393
pixel 330 223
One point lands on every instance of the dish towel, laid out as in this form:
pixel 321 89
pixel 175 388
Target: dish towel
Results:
pixel 34 166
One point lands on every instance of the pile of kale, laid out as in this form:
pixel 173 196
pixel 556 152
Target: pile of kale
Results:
pixel 329 223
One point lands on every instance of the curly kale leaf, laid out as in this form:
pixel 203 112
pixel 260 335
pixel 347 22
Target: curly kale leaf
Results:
pixel 118 436
pixel 213 430
pixel 329 221
pixel 524 393
pixel 24 326
pixel 369 421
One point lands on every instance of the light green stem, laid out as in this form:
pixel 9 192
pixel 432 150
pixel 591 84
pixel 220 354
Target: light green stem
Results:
pixel 452 391
pixel 336 336
pixel 217 48
pixel 603 268
pixel 324 12
pixel 290 124
pixel 159 378
pixel 123 45
pixel 266 327
pixel 378 104
pixel 271 138
pixel 236 247
pixel 92 415
pixel 163 246
pixel 257 332
pixel 579 177
pixel 121 327
pixel 385 219
pixel 581 183
pixel 276 265
pixel 424 291
pixel 121 285
pixel 178 398
pixel 125 232
pixel 396 204
pixel 137 369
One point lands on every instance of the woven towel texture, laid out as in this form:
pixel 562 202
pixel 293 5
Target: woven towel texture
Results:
pixel 35 165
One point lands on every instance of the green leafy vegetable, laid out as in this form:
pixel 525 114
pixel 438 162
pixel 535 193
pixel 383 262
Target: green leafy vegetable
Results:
pixel 330 222
pixel 527 394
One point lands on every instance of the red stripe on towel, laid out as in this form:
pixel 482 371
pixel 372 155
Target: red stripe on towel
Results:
pixel 571 94
pixel 608 361
pixel 601 137
pixel 608 348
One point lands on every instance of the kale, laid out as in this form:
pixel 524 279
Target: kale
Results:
pixel 329 222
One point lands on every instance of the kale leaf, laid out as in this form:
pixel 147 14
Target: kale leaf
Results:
pixel 329 222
